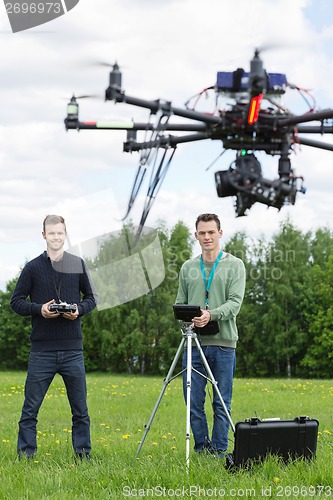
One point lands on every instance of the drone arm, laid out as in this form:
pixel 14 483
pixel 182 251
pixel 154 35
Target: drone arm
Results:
pixel 164 106
pixel 311 142
pixel 163 142
pixel 113 125
pixel 315 129
pixel 307 117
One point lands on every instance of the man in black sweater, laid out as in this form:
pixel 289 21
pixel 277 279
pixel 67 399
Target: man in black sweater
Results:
pixel 56 338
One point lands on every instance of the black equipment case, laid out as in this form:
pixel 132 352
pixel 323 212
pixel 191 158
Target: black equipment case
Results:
pixel 289 439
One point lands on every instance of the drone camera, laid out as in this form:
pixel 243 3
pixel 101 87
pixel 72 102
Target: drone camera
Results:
pixel 244 180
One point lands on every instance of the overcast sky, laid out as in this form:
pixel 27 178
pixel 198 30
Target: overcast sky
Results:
pixel 170 49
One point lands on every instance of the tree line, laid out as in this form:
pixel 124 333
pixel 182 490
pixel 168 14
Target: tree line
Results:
pixel 285 323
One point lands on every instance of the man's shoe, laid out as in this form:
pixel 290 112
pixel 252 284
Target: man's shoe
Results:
pixel 24 456
pixel 83 456
pixel 208 449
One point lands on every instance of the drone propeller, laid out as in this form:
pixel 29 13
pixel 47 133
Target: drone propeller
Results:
pixel 86 96
pixel 104 64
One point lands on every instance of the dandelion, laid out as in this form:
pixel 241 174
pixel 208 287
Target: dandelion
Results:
pixel 57 441
pixel 126 436
pixel 276 480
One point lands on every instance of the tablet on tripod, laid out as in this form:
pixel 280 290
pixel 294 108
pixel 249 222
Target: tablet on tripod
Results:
pixel 186 312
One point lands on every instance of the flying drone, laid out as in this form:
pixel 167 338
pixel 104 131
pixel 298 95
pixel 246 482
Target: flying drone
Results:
pixel 252 120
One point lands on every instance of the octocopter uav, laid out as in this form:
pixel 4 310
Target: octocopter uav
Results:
pixel 252 121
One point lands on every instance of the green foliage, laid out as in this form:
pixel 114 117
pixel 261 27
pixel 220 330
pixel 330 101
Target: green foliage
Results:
pixel 139 335
pixel 319 355
pixel 14 334
pixel 285 323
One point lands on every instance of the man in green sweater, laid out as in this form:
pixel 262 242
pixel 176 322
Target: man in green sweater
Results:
pixel 215 280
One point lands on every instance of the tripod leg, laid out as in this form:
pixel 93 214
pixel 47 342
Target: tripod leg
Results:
pixel 214 382
pixel 188 399
pixel 166 382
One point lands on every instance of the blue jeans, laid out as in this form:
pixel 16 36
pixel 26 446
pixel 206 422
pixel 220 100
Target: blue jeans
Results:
pixel 42 368
pixel 222 362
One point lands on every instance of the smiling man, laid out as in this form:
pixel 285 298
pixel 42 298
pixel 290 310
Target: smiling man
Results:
pixel 216 281
pixel 55 276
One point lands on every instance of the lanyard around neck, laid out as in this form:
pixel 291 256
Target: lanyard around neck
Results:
pixel 208 281
pixel 57 277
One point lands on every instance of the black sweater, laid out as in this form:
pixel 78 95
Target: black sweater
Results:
pixel 41 282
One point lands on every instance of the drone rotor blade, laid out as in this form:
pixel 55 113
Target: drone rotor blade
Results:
pixel 85 96
pixel 88 96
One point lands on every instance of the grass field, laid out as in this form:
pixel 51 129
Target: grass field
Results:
pixel 120 406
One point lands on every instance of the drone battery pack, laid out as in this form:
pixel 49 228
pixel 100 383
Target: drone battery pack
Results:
pixel 255 439
pixel 226 81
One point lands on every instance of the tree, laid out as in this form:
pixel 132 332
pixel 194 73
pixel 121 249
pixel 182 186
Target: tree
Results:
pixel 318 308
pixel 14 333
pixel 138 335
pixel 288 263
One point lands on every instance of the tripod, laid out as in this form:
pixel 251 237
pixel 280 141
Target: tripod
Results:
pixel 188 336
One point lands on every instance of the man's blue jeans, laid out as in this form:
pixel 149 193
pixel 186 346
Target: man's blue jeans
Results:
pixel 42 368
pixel 222 362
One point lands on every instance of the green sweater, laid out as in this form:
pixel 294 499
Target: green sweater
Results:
pixel 225 294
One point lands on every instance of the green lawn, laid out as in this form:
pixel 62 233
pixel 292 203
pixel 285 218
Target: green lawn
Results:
pixel 120 406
